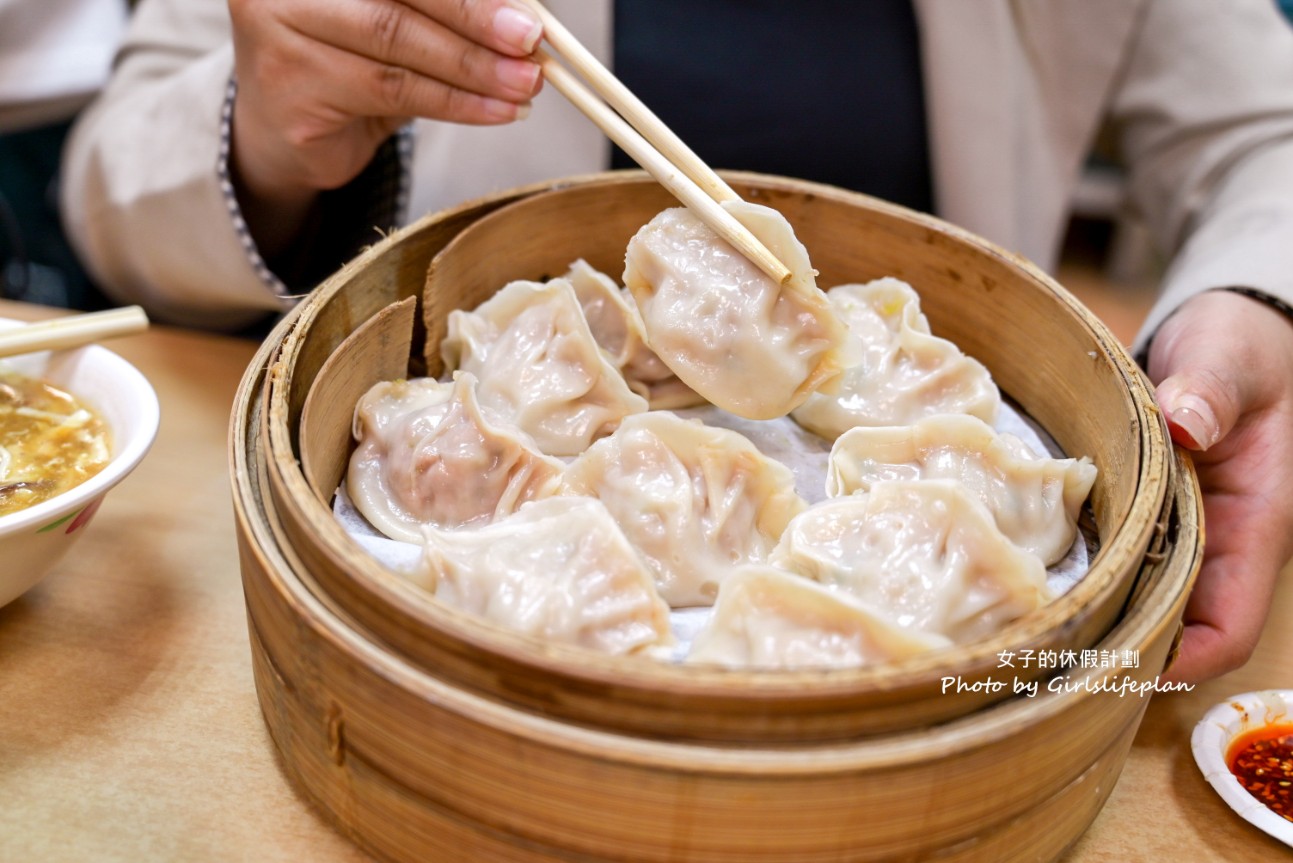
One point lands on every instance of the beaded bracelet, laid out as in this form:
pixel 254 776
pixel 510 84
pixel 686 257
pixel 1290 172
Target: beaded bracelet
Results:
pixel 388 181
pixel 1263 297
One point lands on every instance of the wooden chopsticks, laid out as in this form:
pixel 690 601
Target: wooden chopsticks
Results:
pixel 646 139
pixel 71 332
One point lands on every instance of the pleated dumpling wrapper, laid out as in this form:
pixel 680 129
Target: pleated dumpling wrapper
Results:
pixel 427 454
pixel 558 569
pixel 538 364
pixel 1035 500
pixel 617 327
pixel 695 500
pixel 769 618
pixel 925 553
pixel 904 374
pixel 732 334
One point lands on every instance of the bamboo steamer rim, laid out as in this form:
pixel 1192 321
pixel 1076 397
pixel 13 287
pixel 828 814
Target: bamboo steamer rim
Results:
pixel 1126 546
pixel 1145 621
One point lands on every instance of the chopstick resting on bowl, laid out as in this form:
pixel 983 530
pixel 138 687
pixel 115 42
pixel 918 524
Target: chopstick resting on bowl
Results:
pixel 71 332
pixel 646 139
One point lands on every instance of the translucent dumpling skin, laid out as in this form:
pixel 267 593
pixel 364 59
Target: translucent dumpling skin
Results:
pixel 925 553
pixel 769 618
pixel 1035 500
pixel 696 501
pixel 539 365
pixel 745 343
pixel 904 372
pixel 558 569
pixel 427 455
pixel 616 326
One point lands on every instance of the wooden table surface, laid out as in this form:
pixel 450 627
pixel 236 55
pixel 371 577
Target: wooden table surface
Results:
pixel 129 727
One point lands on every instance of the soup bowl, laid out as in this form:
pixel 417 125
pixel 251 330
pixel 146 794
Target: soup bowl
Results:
pixel 33 540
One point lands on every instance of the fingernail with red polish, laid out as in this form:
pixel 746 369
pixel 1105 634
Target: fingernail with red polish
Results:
pixel 1194 418
pixel 517 28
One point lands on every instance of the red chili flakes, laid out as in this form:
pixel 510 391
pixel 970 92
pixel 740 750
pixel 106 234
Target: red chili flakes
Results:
pixel 1262 761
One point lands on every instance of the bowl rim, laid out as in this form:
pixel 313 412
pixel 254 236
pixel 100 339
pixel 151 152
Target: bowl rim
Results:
pixel 1218 729
pixel 122 463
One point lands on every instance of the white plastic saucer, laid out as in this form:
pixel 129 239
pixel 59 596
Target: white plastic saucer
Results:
pixel 1212 737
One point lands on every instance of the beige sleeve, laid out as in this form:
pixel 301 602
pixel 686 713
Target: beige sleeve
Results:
pixel 1205 109
pixel 142 197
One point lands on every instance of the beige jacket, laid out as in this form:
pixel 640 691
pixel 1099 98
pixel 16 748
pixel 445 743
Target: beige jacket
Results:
pixel 1200 92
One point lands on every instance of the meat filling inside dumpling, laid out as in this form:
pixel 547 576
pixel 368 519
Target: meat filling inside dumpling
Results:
pixel 925 553
pixel 747 344
pixel 1035 500
pixel 769 618
pixel 428 455
pixel 905 373
pixel 695 500
pixel 559 569
pixel 617 327
pixel 538 364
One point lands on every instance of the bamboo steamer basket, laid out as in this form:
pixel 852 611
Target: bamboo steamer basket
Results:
pixel 415 767
pixel 425 735
pixel 1045 350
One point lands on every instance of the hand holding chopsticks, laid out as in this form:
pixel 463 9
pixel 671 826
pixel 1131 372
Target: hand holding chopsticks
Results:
pixel 647 140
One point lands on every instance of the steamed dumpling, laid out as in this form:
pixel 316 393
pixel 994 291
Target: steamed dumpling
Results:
pixel 905 373
pixel 695 500
pixel 558 569
pixel 745 343
pixel 615 324
pixel 769 618
pixel 925 553
pixel 1034 500
pixel 538 364
pixel 427 454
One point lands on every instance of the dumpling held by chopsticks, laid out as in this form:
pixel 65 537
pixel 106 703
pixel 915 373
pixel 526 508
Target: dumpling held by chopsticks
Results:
pixel 747 344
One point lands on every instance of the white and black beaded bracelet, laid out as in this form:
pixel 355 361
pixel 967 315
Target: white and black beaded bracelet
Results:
pixel 262 270
pixel 1263 297
pixel 383 201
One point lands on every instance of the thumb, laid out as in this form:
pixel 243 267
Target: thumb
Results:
pixel 1200 404
pixel 1200 371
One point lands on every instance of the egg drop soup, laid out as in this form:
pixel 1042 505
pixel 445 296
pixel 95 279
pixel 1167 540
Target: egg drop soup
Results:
pixel 49 442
